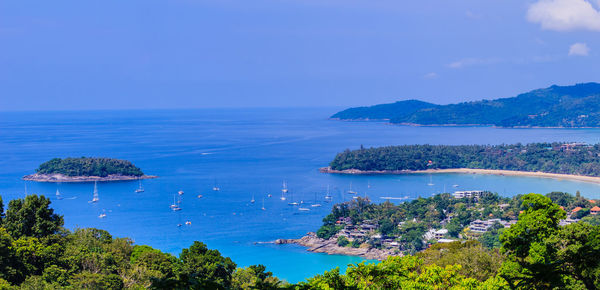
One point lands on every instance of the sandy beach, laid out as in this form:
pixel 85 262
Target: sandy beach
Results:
pixel 592 179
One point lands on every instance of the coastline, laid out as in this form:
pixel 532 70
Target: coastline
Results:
pixel 591 179
pixel 63 178
pixel 318 245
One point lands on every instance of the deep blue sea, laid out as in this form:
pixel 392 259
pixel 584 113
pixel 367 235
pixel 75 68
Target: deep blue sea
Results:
pixel 248 153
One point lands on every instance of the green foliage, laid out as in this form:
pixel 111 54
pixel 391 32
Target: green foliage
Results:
pixel 86 166
pixel 399 273
pixel 31 216
pixel 534 157
pixel 255 277
pixel 202 268
pixel 556 106
pixel 476 261
pixel 342 241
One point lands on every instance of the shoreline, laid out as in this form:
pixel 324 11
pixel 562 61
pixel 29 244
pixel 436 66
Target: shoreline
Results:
pixel 63 178
pixel 330 247
pixel 584 178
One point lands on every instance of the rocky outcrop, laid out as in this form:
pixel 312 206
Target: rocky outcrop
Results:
pixel 64 178
pixel 318 245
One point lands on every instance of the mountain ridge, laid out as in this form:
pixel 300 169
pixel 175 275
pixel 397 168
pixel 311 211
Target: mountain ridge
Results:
pixel 555 106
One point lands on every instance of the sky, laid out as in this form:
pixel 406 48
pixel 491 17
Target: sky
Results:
pixel 147 54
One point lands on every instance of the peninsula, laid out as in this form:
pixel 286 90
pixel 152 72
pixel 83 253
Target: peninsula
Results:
pixel 86 169
pixel 576 106
pixel 579 161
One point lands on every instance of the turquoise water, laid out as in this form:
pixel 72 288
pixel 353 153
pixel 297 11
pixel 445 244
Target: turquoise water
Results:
pixel 248 152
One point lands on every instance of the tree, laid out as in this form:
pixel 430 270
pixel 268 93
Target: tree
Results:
pixel 531 257
pixel 579 252
pixel 254 277
pixel 32 217
pixel 203 268
pixel 9 265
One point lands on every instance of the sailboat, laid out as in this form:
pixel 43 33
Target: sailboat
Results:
pixel 368 184
pixel 327 196
pixel 351 191
pixel 58 196
pixel 174 206
pixel 252 200
pixel 95 198
pixel 303 209
pixel 282 196
pixel 140 188
pixel 263 207
pixel 430 181
pixel 103 214
pixel 315 204
pixel 284 189
pixel 216 188
pixel 292 199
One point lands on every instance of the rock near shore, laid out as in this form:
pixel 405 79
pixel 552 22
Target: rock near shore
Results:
pixel 318 245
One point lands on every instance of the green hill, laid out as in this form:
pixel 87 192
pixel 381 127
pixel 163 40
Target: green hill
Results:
pixel 556 106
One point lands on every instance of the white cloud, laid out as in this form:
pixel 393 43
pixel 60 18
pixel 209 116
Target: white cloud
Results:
pixel 579 48
pixel 564 15
pixel 473 61
pixel 431 75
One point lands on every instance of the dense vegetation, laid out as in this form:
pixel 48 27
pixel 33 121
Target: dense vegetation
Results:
pixel 36 252
pixel 543 157
pixel 86 166
pixel 535 253
pixel 556 106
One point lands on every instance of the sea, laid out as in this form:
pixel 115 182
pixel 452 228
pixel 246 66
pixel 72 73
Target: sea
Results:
pixel 248 154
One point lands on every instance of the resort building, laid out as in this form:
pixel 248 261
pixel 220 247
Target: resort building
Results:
pixel 595 210
pixel 468 193
pixel 479 226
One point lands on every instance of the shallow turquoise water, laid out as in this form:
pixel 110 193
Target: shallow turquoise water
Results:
pixel 248 152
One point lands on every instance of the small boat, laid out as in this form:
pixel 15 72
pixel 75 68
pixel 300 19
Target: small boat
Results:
pixel 456 185
pixel 328 196
pixel 355 197
pixel 199 195
pixel 284 189
pixel 140 188
pixel 174 206
pixel 263 207
pixel 315 203
pixel 303 209
pixel 269 195
pixel 188 223
pixel 252 200
pixel 180 192
pixel 95 197
pixel 178 225
pixel 368 184
pixel 282 196
pixel 351 191
pixel 216 187
pixel 430 181
pixel 102 215
pixel 293 203
pixel 58 196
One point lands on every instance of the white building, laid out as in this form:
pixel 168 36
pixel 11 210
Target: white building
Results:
pixel 468 193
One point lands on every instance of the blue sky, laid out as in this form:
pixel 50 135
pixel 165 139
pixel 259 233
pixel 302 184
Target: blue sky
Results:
pixel 70 55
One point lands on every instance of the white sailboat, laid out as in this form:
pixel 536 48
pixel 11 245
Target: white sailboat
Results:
pixel 58 196
pixel 430 181
pixel 351 191
pixel 95 197
pixel 284 189
pixel 292 199
pixel 303 209
pixel 252 200
pixel 140 188
pixel 263 206
pixel 174 206
pixel 282 196
pixel 315 203
pixel 328 196
pixel 103 214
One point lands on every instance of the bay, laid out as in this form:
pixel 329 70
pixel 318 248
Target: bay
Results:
pixel 246 152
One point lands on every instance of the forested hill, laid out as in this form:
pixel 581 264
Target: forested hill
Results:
pixel 85 166
pixel 556 106
pixel 562 158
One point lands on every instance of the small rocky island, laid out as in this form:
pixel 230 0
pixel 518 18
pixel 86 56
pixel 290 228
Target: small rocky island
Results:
pixel 87 169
